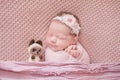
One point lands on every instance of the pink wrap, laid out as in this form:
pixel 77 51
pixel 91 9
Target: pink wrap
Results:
pixel 54 71
pixel 62 56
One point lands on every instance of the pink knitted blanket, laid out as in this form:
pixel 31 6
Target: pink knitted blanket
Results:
pixel 12 70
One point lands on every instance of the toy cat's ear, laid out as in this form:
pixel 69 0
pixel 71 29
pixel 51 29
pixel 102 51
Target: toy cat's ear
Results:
pixel 39 42
pixel 31 42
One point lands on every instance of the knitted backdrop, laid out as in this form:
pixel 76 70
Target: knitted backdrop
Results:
pixel 23 20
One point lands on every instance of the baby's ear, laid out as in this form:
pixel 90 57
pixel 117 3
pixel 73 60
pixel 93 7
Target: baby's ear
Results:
pixel 31 42
pixel 39 42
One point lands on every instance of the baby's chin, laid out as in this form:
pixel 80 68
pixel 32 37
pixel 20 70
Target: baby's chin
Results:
pixel 54 49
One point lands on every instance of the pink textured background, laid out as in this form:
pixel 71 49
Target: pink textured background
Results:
pixel 23 20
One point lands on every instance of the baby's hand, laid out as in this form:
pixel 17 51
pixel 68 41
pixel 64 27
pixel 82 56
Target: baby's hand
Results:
pixel 72 50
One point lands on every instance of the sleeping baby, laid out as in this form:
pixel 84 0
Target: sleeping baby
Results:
pixel 62 40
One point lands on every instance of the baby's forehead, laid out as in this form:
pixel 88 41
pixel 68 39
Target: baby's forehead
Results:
pixel 59 26
pixel 59 32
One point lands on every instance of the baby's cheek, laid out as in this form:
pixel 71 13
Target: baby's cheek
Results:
pixel 60 42
pixel 65 44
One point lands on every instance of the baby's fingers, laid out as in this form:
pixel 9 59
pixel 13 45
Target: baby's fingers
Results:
pixel 74 53
pixel 68 49
pixel 74 47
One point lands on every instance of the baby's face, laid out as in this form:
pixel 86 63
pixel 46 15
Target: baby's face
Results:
pixel 58 36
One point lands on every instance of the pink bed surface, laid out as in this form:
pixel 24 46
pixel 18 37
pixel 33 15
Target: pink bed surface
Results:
pixel 23 20
pixel 13 70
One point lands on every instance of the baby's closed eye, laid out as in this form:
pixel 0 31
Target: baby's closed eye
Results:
pixel 61 37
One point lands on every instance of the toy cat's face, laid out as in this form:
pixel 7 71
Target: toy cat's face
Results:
pixel 35 48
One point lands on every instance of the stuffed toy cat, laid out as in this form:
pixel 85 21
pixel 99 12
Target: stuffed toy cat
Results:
pixel 34 50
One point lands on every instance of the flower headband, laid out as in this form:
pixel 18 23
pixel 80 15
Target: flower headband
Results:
pixel 69 20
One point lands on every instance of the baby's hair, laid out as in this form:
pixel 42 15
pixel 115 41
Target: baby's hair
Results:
pixel 62 13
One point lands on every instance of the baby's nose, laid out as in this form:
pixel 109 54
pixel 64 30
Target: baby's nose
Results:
pixel 53 39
